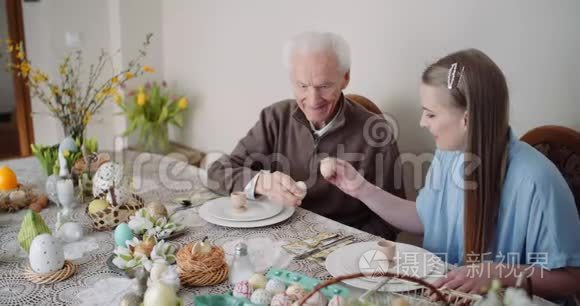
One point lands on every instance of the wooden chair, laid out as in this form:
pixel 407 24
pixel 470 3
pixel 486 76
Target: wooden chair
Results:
pixel 364 102
pixel 562 146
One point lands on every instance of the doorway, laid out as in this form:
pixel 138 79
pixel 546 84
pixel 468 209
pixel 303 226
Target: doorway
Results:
pixel 15 111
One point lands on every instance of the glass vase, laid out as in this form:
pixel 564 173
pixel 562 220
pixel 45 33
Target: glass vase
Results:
pixel 154 138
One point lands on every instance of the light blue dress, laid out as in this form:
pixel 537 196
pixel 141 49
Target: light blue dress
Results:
pixel 538 221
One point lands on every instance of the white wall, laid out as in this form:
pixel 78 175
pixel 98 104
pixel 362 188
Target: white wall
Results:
pixel 108 25
pixel 227 54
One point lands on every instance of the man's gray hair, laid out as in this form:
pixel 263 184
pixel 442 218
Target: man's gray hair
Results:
pixel 310 42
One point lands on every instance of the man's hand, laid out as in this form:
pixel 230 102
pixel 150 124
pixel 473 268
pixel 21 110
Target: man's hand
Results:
pixel 280 188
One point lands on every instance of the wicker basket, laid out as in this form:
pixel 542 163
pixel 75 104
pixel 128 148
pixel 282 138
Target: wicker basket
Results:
pixel 196 270
pixel 108 218
pixel 6 205
pixel 420 296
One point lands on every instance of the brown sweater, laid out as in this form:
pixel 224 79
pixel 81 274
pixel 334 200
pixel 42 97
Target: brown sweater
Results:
pixel 282 141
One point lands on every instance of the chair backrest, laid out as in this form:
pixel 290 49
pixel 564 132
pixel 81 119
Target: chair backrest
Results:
pixel 364 102
pixel 562 146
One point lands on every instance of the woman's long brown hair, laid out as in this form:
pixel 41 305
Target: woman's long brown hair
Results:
pixel 480 88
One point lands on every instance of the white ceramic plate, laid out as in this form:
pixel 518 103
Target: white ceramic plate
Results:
pixel 360 257
pixel 285 214
pixel 221 208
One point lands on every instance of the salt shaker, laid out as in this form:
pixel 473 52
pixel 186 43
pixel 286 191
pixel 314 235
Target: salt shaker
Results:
pixel 241 267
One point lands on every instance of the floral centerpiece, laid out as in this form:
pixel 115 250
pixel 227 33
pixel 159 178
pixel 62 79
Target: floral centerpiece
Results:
pixel 151 110
pixel 144 253
pixel 143 223
pixel 69 97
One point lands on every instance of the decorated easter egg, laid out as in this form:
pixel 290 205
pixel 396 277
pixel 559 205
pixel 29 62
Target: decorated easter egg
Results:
pixel 258 281
pixel 109 174
pixel 46 254
pixel 122 195
pixel 275 286
pixel 337 300
pixel 160 295
pixel 281 299
pixel 243 289
pixel 122 234
pixel 295 292
pixel 261 296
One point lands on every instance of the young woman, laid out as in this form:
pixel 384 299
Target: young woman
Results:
pixel 490 200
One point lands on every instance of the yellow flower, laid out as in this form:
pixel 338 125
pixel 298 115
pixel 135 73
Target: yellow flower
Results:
pixel 10 48
pixel 115 80
pixel 39 77
pixel 25 68
pixel 148 69
pixel 62 69
pixel 20 55
pixel 55 90
pixel 128 76
pixel 66 153
pixel 182 103
pixel 141 98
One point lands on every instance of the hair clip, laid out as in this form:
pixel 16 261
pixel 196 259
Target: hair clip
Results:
pixel 451 75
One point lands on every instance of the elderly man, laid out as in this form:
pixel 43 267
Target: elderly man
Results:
pixel 292 136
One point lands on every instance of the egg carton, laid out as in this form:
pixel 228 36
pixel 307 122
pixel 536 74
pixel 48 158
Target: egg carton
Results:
pixel 285 276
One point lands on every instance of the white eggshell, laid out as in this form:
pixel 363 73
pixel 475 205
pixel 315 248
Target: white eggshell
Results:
pixel 160 295
pixel 70 232
pixel 258 281
pixel 46 254
pixel 107 175
pixel 328 167
pixel 261 296
pixel 302 187
pixel 275 286
pixel 122 195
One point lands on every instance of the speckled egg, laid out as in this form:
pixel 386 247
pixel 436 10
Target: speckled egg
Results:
pixel 46 254
pixel 258 281
pixel 107 175
pixel 337 300
pixel 295 292
pixel 275 286
pixel 243 289
pixel 281 299
pixel 261 296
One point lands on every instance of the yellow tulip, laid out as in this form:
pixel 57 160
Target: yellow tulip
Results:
pixel 141 98
pixel 148 69
pixel 182 103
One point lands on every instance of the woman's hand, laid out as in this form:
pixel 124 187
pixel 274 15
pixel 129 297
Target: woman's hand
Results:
pixel 343 175
pixel 474 278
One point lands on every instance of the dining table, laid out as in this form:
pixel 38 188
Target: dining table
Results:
pixel 154 178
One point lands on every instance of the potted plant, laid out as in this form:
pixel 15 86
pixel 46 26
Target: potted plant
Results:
pixel 152 108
